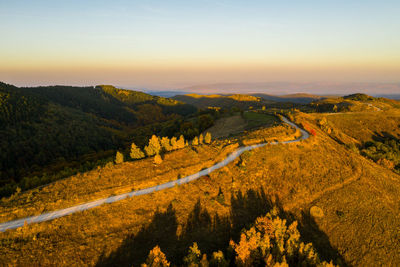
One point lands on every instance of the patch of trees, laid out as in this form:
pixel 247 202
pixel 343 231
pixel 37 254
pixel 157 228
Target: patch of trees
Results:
pixel 16 107
pixel 270 241
pixel 60 137
pixel 160 145
pixel 385 153
pixel 359 97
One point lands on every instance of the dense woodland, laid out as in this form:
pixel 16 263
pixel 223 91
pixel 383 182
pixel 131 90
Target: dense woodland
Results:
pixel 48 133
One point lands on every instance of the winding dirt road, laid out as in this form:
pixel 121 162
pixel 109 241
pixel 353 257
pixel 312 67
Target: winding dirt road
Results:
pixel 63 212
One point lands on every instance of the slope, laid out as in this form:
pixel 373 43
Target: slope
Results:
pixel 358 224
pixel 51 132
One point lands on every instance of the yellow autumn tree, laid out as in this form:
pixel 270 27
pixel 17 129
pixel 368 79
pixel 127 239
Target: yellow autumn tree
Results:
pixel 156 258
pixel 153 147
pixel 270 242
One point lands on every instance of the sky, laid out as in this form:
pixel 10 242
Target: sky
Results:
pixel 174 44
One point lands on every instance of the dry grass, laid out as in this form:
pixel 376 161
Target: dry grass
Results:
pixel 363 126
pixel 359 200
pixel 227 126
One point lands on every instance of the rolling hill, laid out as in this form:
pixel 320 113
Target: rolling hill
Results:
pixel 45 130
pixel 240 101
pixel 334 196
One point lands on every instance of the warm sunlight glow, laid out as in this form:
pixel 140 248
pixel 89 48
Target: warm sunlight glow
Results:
pixel 172 44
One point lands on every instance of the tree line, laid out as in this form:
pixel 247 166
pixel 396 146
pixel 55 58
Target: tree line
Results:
pixel 159 145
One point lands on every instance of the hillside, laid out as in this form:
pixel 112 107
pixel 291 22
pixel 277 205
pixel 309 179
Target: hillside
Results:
pixel 345 204
pixel 51 132
pixel 294 98
pixel 353 103
pixel 222 101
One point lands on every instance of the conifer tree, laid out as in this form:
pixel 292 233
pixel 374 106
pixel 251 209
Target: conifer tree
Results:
pixel 201 139
pixel 165 143
pixel 207 138
pixel 119 158
pixel 173 143
pixel 136 152
pixel 195 141
pixel 153 147
pixel 156 258
pixel 194 256
pixel 181 142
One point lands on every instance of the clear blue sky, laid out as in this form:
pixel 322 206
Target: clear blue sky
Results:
pixel 173 43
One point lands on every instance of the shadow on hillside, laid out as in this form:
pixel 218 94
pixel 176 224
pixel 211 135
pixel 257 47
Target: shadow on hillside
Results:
pixel 212 233
pixel 384 136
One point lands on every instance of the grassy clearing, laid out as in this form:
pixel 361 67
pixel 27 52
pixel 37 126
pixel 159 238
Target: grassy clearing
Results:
pixel 363 126
pixel 236 124
pixel 255 120
pixel 227 126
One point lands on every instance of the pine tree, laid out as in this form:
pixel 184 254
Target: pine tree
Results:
pixel 201 139
pixel 207 138
pixel 136 152
pixel 154 146
pixel 195 141
pixel 119 158
pixel 181 142
pixel 156 258
pixel 173 143
pixel 194 256
pixel 165 143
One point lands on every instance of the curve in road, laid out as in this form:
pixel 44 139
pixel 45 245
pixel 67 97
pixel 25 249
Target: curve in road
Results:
pixel 63 212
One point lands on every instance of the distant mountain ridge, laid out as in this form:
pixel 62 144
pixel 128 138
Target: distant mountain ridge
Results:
pixel 282 88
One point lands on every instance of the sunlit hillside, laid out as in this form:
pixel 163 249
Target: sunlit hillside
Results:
pixel 341 201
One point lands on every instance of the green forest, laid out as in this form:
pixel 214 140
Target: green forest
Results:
pixel 52 132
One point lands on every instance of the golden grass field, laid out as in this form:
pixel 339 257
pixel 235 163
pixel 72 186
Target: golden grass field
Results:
pixel 359 200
